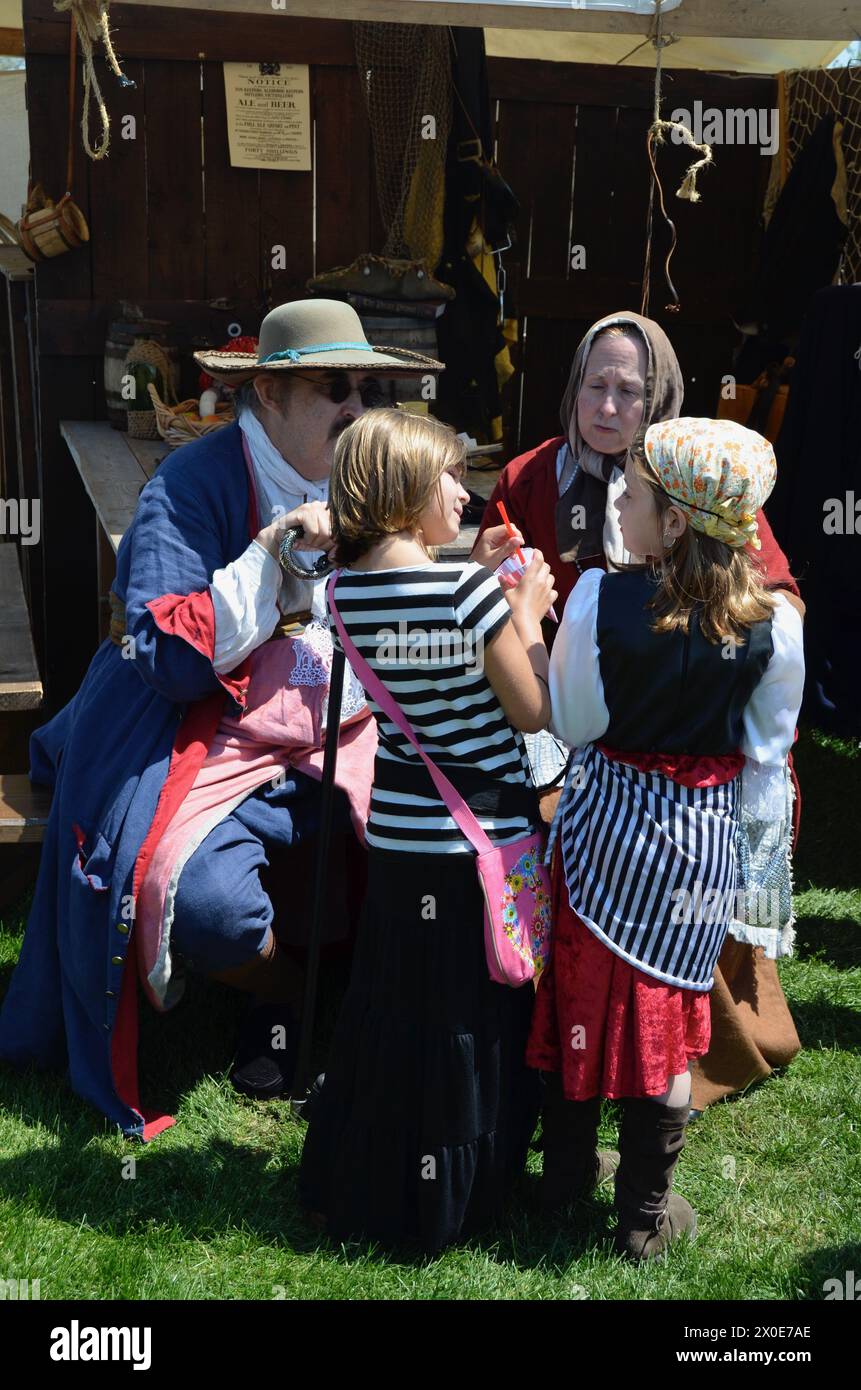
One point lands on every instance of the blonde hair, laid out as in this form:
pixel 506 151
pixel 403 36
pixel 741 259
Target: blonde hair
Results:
pixel 387 465
pixel 704 576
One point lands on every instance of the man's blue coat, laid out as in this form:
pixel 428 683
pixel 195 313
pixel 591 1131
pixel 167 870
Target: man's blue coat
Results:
pixel 107 754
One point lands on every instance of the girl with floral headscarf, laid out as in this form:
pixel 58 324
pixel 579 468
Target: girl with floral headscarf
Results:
pixel 677 681
pixel 624 377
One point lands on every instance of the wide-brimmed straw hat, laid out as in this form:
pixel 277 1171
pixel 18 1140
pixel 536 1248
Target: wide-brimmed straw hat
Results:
pixel 313 333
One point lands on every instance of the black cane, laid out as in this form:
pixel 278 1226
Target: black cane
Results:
pixel 299 1089
pixel 324 836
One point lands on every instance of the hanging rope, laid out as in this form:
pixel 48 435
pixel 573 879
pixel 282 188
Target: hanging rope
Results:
pixel 687 188
pixel 91 23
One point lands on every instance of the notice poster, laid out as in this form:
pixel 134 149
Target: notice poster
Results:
pixel 268 115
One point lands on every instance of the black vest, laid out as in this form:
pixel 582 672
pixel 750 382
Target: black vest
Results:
pixel 671 692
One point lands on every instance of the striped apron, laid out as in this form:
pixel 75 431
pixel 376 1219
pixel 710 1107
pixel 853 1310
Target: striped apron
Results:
pixel 650 865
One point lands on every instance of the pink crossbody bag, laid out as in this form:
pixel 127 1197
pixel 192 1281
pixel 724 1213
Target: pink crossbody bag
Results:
pixel 513 878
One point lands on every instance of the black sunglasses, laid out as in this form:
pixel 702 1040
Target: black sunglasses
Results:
pixel 338 388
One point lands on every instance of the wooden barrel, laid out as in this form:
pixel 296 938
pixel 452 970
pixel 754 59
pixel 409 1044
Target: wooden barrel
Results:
pixel 121 335
pixel 399 331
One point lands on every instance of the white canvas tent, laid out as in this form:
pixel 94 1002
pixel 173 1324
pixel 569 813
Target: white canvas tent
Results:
pixel 712 35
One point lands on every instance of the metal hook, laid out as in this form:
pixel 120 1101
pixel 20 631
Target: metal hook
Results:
pixel 320 568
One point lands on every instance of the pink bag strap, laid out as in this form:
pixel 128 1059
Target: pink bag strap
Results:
pixel 460 812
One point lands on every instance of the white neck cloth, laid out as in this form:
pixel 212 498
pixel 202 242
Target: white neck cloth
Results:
pixel 279 487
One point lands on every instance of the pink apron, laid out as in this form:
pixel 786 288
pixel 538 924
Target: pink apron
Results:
pixel 283 725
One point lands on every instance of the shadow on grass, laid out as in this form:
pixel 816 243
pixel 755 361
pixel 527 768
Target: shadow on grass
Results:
pixel 823 1024
pixel 524 1237
pixel 203 1192
pixel 835 942
pixel 197 1038
pixel 830 1273
pixel 830 783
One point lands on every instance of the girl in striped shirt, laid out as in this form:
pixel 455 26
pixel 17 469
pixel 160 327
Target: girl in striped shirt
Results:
pixel 677 682
pixel 428 1105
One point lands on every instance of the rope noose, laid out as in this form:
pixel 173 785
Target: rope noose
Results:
pixel 687 188
pixel 91 22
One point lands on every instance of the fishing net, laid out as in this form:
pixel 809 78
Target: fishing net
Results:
pixel 405 71
pixel 805 97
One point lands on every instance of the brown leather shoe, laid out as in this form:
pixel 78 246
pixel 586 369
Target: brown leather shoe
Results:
pixel 651 1217
pixel 573 1168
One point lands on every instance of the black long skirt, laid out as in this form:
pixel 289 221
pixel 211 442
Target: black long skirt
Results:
pixel 428 1105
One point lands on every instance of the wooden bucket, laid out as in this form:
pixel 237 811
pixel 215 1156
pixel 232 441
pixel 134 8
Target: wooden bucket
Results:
pixel 53 229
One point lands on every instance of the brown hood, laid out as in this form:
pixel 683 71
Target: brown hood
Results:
pixel 588 490
pixel 665 388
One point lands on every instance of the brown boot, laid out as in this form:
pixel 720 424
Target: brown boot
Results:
pixel 572 1166
pixel 650 1216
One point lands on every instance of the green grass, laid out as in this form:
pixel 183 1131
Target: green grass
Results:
pixel 775 1175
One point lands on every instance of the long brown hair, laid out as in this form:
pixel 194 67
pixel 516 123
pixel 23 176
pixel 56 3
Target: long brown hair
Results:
pixel 704 577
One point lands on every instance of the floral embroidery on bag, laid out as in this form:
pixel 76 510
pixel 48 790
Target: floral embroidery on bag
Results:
pixel 525 877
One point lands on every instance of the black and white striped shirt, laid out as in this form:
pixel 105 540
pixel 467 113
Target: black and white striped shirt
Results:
pixel 422 629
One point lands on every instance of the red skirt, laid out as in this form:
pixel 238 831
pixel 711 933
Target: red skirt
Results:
pixel 610 1029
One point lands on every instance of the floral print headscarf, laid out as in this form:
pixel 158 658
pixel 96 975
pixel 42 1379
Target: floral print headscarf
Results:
pixel 717 472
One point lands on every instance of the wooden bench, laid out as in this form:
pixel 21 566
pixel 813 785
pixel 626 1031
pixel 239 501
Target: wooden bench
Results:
pixel 23 809
pixel 113 467
pixel 20 686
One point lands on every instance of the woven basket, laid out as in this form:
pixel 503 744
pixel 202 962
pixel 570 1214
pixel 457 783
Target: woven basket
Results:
pixel 142 422
pixel 180 424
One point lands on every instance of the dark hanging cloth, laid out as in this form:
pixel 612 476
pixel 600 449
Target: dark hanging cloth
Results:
pixel 468 334
pixel 815 508
pixel 799 254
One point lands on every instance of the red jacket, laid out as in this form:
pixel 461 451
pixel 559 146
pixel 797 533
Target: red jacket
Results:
pixel 528 488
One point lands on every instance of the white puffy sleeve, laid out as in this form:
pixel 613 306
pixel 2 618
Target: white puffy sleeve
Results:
pixel 764 915
pixel 245 601
pixel 579 714
pixel 771 714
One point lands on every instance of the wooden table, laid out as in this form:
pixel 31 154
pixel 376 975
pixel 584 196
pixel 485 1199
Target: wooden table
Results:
pixel 114 468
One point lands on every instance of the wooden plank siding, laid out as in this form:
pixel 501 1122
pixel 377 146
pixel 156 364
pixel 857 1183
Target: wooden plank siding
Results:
pixel 179 232
pixel 571 141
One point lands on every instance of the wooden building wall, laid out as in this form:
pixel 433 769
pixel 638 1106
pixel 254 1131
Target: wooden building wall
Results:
pixel 177 230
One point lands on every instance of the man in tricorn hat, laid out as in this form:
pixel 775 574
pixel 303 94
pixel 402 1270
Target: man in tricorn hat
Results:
pixel 194 745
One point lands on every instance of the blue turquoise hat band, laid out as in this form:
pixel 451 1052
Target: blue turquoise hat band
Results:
pixel 296 354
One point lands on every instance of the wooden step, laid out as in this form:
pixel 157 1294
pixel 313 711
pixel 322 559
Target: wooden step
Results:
pixel 23 809
pixel 20 686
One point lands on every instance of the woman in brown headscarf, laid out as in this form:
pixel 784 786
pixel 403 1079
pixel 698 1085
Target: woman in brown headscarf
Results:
pixel 624 377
